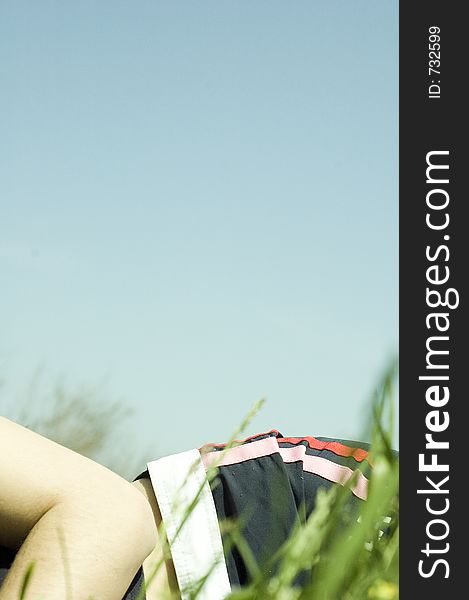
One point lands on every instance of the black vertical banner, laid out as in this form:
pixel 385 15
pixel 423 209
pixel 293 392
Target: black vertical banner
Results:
pixel 434 252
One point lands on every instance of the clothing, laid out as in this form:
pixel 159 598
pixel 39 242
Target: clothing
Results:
pixel 268 483
pixel 6 558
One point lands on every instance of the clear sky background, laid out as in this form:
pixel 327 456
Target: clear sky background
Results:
pixel 199 208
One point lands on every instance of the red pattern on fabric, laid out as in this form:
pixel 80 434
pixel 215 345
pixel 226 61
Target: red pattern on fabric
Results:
pixel 335 447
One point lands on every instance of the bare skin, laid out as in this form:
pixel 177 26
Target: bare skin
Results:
pixel 159 573
pixel 86 529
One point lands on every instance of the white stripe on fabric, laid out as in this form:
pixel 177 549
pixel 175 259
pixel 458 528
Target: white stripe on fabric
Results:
pixel 196 546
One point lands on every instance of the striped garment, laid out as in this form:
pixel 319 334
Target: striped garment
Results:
pixel 268 483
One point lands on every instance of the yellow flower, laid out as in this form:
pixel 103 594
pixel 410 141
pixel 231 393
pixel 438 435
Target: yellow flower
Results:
pixel 383 590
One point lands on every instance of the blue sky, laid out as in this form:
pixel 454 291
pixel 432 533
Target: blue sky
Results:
pixel 199 208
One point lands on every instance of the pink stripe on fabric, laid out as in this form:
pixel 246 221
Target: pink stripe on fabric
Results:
pixel 327 469
pixel 293 454
pixel 239 454
pixel 311 464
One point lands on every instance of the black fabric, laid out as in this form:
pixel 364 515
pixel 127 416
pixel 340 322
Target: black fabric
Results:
pixel 259 494
pixel 268 497
pixel 6 558
pixel 136 587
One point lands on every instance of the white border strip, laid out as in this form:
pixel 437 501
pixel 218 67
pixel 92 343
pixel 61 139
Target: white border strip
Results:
pixel 197 550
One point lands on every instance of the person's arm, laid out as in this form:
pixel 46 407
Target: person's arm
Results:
pixel 86 530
